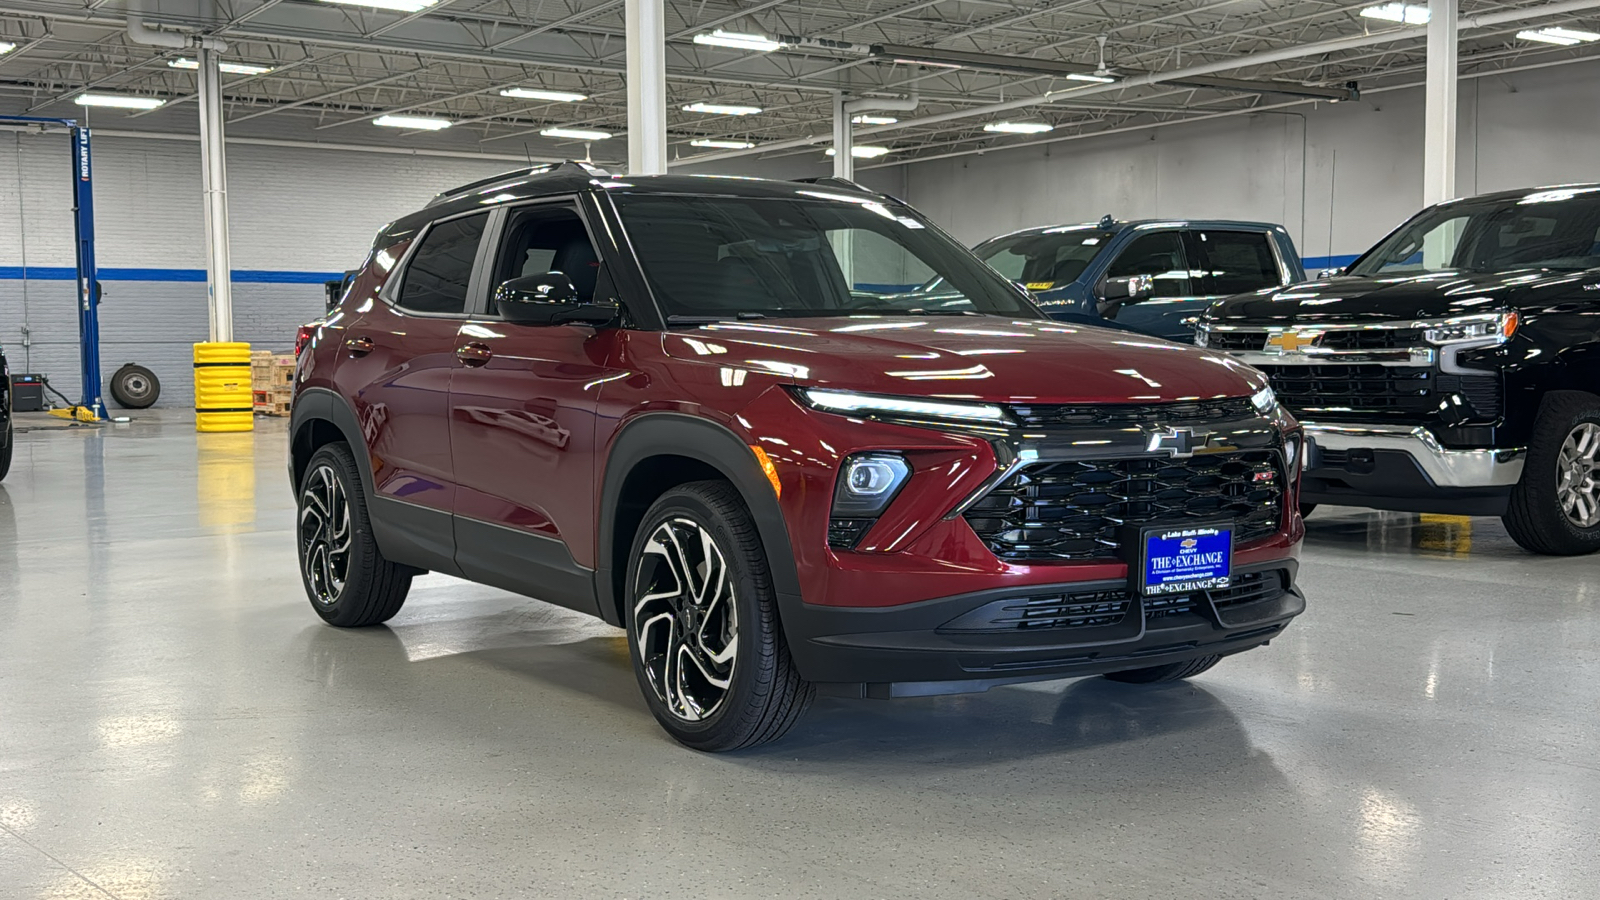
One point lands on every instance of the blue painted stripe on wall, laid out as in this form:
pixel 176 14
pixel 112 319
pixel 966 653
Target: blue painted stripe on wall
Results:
pixel 240 276
pixel 1313 263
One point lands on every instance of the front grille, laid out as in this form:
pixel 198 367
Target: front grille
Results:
pixel 1374 339
pixel 1107 608
pixel 1236 341
pixel 1404 392
pixel 1074 510
pixel 1039 416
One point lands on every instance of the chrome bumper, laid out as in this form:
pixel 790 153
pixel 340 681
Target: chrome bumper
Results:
pixel 1447 468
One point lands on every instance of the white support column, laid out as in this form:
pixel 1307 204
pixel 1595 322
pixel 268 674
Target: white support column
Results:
pixel 647 87
pixel 214 183
pixel 844 160
pixel 1439 117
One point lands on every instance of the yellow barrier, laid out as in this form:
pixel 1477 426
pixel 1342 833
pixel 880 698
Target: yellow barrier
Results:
pixel 222 399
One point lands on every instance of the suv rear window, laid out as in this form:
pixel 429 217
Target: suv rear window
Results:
pixel 436 278
pixel 811 256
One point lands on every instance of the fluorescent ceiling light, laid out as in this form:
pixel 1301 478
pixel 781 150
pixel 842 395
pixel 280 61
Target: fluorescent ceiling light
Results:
pixel 722 109
pixel 419 123
pixel 1565 37
pixel 1019 127
pixel 722 145
pixel 541 94
pixel 7 47
pixel 720 38
pixel 230 68
pixel 396 5
pixel 117 100
pixel 1410 14
pixel 1089 76
pixel 577 134
pixel 862 151
pixel 874 120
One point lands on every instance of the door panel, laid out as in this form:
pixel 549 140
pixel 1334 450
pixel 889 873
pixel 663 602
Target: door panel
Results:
pixel 522 424
pixel 1163 256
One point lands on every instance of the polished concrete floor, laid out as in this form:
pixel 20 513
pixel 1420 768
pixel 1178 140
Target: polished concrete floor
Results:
pixel 175 722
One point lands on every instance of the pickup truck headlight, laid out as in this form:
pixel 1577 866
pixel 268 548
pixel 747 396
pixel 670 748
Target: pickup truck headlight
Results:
pixel 1485 328
pixel 1202 334
pixel 878 405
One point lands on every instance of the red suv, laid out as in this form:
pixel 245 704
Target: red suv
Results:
pixel 792 438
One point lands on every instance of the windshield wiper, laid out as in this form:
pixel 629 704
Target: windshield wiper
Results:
pixel 712 320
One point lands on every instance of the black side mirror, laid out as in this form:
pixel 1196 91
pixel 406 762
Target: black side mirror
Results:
pixel 1118 292
pixel 548 299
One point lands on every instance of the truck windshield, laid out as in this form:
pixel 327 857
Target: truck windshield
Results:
pixel 1042 261
pixel 1554 229
pixel 819 254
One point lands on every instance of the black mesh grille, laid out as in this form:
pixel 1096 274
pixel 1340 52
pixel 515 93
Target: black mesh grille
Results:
pixel 1073 510
pixel 845 534
pixel 1482 392
pixel 1375 339
pixel 1403 392
pixel 1133 414
pixel 1236 341
pixel 1103 609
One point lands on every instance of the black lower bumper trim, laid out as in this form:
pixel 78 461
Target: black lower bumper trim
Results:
pixel 1391 479
pixel 911 650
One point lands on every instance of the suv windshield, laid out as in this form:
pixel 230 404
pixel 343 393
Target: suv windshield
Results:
pixel 1554 229
pixel 819 254
pixel 1044 260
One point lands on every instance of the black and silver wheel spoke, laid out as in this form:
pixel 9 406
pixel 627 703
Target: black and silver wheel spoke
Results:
pixel 325 534
pixel 1577 490
pixel 685 619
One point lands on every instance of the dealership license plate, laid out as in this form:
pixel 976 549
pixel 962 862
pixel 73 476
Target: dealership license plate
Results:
pixel 1184 559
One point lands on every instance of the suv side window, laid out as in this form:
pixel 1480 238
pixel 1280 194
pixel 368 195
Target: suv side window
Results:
pixel 436 278
pixel 1239 261
pixel 1159 255
pixel 544 239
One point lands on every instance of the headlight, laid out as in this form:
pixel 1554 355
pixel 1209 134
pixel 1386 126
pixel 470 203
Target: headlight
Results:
pixel 1487 328
pixel 1291 456
pixel 1265 401
pixel 1202 334
pixel 902 407
pixel 867 482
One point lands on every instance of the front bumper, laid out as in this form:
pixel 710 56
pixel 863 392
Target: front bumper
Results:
pixel 1406 468
pixel 1034 632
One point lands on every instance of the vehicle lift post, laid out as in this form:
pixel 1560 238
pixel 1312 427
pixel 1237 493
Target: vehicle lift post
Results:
pixel 92 406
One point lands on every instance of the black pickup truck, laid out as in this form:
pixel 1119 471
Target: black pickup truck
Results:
pixel 1452 368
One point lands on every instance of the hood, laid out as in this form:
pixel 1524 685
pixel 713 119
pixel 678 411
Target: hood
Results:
pixel 981 358
pixel 1381 299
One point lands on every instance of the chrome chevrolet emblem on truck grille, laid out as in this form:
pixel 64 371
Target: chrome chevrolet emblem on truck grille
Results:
pixel 1291 341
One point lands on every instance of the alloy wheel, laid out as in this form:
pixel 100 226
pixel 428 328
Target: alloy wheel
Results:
pixel 1577 490
pixel 325 534
pixel 685 619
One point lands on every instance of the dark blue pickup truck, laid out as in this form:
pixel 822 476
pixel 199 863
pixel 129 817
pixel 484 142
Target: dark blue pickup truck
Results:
pixel 1150 276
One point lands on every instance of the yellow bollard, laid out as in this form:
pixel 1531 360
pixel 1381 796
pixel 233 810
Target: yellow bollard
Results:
pixel 222 398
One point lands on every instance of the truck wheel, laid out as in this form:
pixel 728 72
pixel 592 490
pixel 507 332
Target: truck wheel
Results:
pixel 1555 508
pixel 135 387
pixel 1170 672
pixel 347 579
pixel 703 627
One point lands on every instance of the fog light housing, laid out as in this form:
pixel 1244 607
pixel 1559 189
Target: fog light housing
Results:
pixel 868 483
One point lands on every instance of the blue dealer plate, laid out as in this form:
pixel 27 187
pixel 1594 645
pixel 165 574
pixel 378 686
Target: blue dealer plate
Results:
pixel 1180 560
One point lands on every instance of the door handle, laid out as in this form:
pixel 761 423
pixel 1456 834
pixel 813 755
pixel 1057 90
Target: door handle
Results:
pixel 474 354
pixel 359 346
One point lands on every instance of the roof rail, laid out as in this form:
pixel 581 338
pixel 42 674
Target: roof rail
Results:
pixel 836 181
pixel 542 169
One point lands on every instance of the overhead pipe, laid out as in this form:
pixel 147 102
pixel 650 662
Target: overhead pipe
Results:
pixel 1287 53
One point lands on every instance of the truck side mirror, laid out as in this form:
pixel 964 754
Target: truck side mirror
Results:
pixel 1131 289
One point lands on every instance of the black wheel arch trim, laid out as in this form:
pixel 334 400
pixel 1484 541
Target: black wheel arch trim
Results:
pixel 678 434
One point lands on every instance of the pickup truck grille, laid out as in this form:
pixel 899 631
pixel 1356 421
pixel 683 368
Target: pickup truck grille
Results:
pixel 1040 416
pixel 1074 510
pixel 1346 340
pixel 1368 392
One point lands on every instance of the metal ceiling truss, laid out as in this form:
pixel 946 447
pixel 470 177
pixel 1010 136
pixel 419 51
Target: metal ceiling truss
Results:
pixel 336 67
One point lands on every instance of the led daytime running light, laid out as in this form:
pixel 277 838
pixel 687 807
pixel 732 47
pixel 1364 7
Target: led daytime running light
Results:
pixel 846 402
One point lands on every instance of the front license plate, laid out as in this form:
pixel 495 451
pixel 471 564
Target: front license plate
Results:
pixel 1181 560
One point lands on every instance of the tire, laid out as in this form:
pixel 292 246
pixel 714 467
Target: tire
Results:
pixel 5 452
pixel 705 526
pixel 1170 672
pixel 355 586
pixel 135 387
pixel 1555 508
pixel 1306 509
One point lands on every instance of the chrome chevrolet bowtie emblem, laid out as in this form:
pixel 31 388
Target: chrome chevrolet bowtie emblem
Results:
pixel 1292 341
pixel 1181 443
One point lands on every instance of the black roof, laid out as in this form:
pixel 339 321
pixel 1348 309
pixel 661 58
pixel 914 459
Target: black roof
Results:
pixel 574 177
pixel 1519 193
